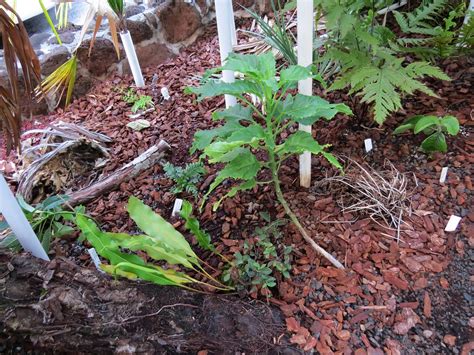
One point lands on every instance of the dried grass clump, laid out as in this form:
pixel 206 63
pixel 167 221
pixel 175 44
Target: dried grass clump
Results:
pixel 382 195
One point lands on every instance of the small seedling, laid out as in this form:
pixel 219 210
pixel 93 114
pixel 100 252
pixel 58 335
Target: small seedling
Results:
pixel 434 127
pixel 261 259
pixel 186 178
pixel 139 102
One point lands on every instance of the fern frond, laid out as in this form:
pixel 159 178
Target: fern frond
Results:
pixel 418 21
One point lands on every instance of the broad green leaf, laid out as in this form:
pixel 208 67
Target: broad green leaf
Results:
pixel 451 124
pixel 10 242
pixel 53 202
pixel 306 109
pixel 298 143
pixel 234 113
pixel 203 138
pixel 260 67
pixel 104 246
pixel 245 166
pixel 223 151
pixel 155 226
pixel 251 135
pixel 293 74
pixel 216 88
pixel 46 239
pixel 151 246
pixel 435 143
pixel 425 122
pixel 153 274
pixel 24 205
pixel 408 124
pixel 247 185
pixel 192 224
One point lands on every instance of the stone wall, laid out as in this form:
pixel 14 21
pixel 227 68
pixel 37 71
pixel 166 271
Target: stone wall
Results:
pixel 158 31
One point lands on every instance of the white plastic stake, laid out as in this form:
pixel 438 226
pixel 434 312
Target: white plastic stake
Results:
pixel 223 9
pixel 178 203
pixel 132 58
pixel 444 173
pixel 368 144
pixel 18 223
pixel 452 223
pixel 233 32
pixel 305 87
pixel 95 259
pixel 468 12
pixel 165 93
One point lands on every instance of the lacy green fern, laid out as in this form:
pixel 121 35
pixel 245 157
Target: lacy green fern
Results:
pixel 186 178
pixel 369 55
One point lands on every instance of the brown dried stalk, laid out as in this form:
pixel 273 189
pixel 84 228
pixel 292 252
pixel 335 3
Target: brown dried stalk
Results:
pixel 382 195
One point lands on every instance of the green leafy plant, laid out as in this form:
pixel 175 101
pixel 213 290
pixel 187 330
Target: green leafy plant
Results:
pixel 138 102
pixel 261 259
pixel 186 178
pixel 47 220
pixel 369 57
pixel 436 36
pixel 160 241
pixel 249 130
pixel 276 35
pixel 434 127
pixel 192 224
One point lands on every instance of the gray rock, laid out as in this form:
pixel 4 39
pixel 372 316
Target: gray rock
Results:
pixel 133 10
pixel 38 39
pixel 51 61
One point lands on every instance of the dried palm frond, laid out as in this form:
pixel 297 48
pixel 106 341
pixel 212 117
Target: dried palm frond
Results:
pixel 63 78
pixel 59 81
pixel 65 154
pixel 382 195
pixel 16 49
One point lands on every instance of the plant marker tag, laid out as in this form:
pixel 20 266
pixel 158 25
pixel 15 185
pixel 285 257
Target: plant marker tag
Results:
pixel 368 144
pixel 452 223
pixel 178 203
pixel 95 259
pixel 444 173
pixel 18 223
pixel 165 93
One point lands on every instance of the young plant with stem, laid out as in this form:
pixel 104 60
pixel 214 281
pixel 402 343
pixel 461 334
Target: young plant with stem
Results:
pixel 249 129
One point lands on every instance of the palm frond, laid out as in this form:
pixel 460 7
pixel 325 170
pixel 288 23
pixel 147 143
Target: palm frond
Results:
pixel 18 52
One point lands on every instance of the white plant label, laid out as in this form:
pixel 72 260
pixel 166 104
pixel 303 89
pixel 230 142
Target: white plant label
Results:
pixel 178 203
pixel 368 144
pixel 95 258
pixel 452 223
pixel 444 173
pixel 165 93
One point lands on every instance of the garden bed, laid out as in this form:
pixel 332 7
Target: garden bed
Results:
pixel 393 296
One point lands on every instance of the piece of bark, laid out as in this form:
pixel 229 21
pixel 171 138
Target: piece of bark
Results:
pixel 125 173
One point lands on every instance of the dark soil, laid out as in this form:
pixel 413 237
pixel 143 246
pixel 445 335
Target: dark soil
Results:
pixel 72 309
pixel 378 304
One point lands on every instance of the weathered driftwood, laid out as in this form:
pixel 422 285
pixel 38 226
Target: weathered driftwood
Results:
pixel 125 173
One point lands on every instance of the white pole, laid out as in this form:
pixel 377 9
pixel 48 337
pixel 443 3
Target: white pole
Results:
pixel 132 58
pixel 468 12
pixel 223 8
pixel 305 87
pixel 18 223
pixel 233 32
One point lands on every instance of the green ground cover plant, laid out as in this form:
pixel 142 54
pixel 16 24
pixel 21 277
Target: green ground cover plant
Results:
pixel 48 220
pixel 161 242
pixel 435 128
pixel 185 178
pixel 248 129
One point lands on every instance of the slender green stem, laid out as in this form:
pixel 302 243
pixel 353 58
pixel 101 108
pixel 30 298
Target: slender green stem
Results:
pixel 294 219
